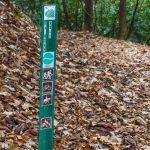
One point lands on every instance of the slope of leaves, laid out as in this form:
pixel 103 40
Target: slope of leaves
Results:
pixel 102 89
pixel 102 92
pixel 19 73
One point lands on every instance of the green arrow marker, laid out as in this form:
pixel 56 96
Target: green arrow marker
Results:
pixel 47 77
pixel 49 13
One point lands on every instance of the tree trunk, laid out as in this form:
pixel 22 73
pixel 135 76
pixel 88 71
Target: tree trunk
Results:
pixel 133 20
pixel 122 19
pixel 76 17
pixel 88 15
pixel 66 14
pixel 95 17
pixel 113 27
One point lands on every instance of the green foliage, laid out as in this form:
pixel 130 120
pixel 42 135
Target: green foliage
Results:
pixel 105 16
pixel 30 7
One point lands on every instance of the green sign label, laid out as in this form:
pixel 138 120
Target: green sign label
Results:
pixel 49 12
pixel 47 77
pixel 48 60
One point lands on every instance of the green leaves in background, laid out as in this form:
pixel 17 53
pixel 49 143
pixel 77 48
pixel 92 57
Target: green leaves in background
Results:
pixel 105 19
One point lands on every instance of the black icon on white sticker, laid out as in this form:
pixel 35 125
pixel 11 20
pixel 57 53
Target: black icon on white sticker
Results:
pixel 47 87
pixel 48 74
pixel 47 100
pixel 46 123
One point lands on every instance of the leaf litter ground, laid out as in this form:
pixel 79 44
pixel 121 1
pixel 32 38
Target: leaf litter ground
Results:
pixel 102 89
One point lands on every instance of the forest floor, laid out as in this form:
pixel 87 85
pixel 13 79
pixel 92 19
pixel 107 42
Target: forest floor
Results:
pixel 102 90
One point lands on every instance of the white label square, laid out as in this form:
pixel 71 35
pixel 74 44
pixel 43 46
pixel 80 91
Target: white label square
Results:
pixel 49 12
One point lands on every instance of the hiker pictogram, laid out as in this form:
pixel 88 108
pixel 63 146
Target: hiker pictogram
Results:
pixel 48 74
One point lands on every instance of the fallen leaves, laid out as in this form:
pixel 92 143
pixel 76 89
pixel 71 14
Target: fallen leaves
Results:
pixel 102 83
pixel 102 89
pixel 18 96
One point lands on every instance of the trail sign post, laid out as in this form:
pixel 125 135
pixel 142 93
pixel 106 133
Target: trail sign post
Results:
pixel 47 77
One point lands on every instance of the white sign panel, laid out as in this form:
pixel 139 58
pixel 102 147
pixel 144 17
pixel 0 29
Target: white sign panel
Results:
pixel 49 12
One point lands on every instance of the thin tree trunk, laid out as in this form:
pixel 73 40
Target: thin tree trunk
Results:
pixel 76 17
pixel 88 15
pixel 113 27
pixel 66 14
pixel 95 17
pixel 133 20
pixel 122 19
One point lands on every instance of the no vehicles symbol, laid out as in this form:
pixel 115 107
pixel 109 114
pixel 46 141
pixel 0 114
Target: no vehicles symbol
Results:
pixel 46 123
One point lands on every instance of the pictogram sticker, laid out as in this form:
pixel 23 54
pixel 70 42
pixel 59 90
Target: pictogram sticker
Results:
pixel 47 100
pixel 48 74
pixel 46 123
pixel 47 87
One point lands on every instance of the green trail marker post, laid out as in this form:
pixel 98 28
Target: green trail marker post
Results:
pixel 47 77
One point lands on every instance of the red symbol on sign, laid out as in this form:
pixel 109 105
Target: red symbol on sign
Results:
pixel 46 123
